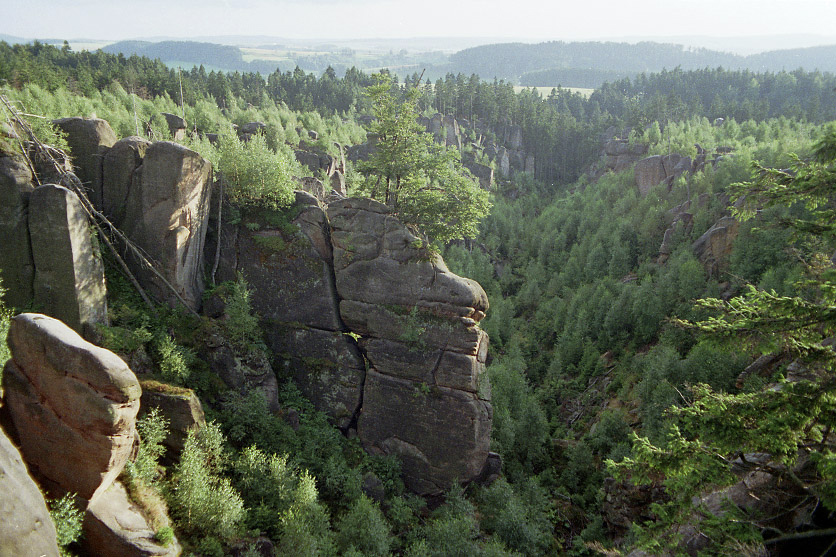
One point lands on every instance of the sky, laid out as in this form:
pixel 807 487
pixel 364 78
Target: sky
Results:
pixel 533 20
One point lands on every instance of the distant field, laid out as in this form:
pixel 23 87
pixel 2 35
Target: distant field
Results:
pixel 546 90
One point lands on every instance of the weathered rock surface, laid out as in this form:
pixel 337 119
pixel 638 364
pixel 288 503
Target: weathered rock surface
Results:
pixel 176 126
pixel 25 526
pixel 167 217
pixel 119 175
pixel 115 527
pixel 426 398
pixel 69 280
pixel 89 139
pixel 713 248
pixel 179 406
pixel 18 267
pixel 657 169
pixel 288 268
pixel 73 405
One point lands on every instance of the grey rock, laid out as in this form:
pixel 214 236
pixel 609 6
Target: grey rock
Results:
pixel 119 175
pixel 179 406
pixel 25 525
pixel 69 277
pixel 89 139
pixel 167 217
pixel 17 268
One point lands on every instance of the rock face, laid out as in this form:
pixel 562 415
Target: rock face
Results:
pixel 714 247
pixel 119 175
pixel 15 251
pixel 289 271
pixel 73 405
pixel 89 139
pixel 69 276
pixel 425 397
pixel 167 217
pixel 25 526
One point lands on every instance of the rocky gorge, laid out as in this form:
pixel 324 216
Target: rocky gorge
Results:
pixel 370 323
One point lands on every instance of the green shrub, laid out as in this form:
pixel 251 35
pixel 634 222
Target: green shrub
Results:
pixel 173 360
pixel 67 518
pixel 364 529
pixel 153 429
pixel 242 323
pixel 204 504
pixel 256 176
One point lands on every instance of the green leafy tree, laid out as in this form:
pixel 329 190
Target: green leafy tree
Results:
pixel 792 422
pixel 424 182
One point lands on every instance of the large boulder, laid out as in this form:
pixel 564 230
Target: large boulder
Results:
pixel 115 527
pixel 25 526
pixel 650 172
pixel 69 281
pixel 72 404
pixel 426 397
pixel 167 216
pixel 176 126
pixel 17 268
pixel 88 139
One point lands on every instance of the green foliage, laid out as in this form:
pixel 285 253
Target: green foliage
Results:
pixel 5 317
pixel 164 536
pixel 172 359
pixel 422 181
pixel 280 498
pixel 67 517
pixel 203 501
pixel 256 175
pixel 363 529
pixel 152 429
pixel 784 421
pixel 521 520
pixel 241 325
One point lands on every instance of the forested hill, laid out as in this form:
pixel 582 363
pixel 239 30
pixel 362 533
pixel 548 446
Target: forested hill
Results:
pixel 192 53
pixel 588 64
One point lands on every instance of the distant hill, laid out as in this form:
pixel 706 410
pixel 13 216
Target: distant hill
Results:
pixel 215 55
pixel 588 64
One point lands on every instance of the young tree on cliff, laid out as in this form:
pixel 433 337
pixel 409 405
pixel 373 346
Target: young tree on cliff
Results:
pixel 424 182
pixel 784 431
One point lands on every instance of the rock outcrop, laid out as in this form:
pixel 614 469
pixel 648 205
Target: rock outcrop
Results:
pixel 89 139
pixel 167 216
pixel 18 268
pixel 425 397
pixel 72 404
pixel 25 526
pixel 713 248
pixel 69 279
pixel 288 266
pixel 120 176
pixel 179 406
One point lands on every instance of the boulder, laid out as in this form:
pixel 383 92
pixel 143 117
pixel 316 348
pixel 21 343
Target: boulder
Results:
pixel 176 126
pixel 503 162
pixel 69 280
pixel 119 175
pixel 69 398
pixel 25 525
pixel 167 216
pixel 17 268
pixel 115 527
pixel 179 406
pixel 252 127
pixel 418 324
pixel 89 139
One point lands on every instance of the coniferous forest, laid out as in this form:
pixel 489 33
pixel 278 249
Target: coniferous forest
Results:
pixel 653 346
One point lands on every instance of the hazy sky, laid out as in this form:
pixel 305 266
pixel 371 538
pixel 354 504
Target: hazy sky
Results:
pixel 340 19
